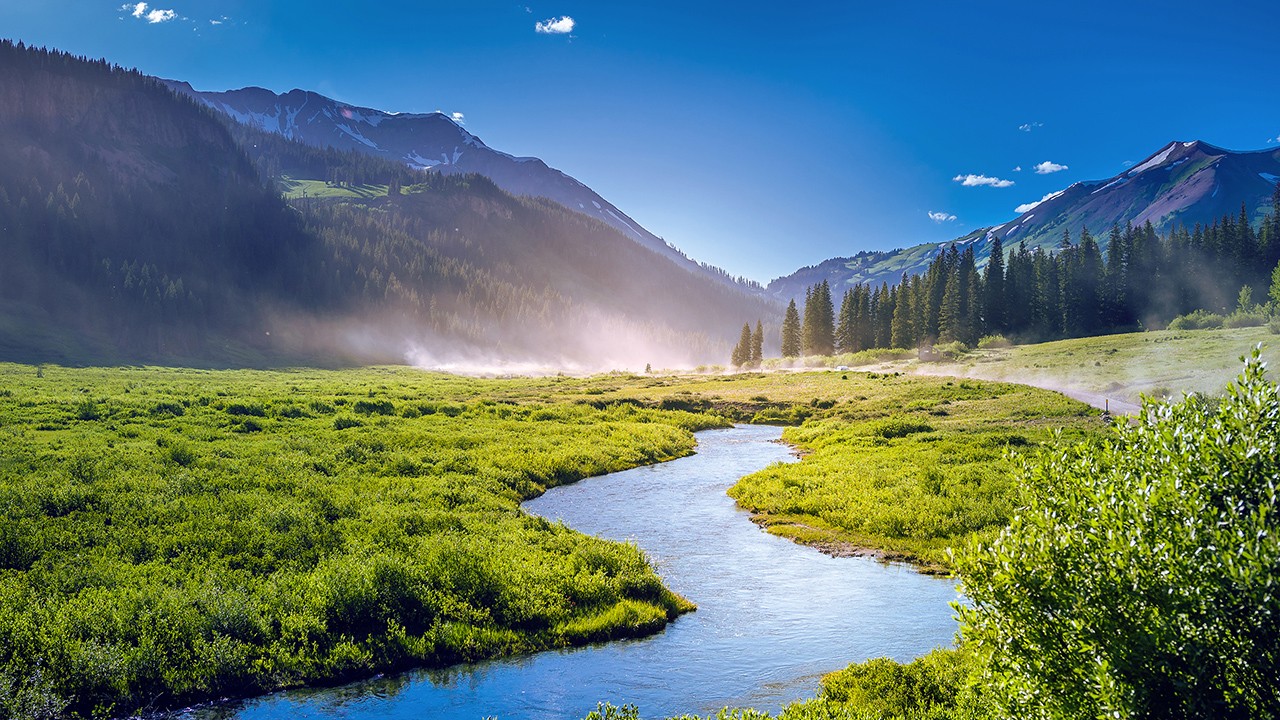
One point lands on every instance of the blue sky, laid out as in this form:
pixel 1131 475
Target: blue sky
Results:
pixel 756 137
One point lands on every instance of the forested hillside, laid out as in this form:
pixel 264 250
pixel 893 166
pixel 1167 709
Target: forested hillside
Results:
pixel 131 221
pixel 141 226
pixel 1143 280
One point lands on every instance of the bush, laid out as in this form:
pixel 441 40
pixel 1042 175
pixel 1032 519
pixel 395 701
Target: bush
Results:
pixel 374 407
pixel 1243 318
pixel 1198 320
pixel 952 349
pixel 993 341
pixel 344 422
pixel 1138 580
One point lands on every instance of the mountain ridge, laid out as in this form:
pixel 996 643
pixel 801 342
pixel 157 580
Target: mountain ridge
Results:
pixel 431 142
pixel 139 225
pixel 1184 183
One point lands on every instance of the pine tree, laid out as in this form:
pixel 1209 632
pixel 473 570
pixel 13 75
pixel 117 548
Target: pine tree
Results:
pixel 951 316
pixel 900 333
pixel 819 329
pixel 791 331
pixel 845 340
pixel 993 315
pixel 757 345
pixel 742 351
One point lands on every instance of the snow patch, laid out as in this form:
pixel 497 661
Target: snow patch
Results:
pixel 1273 179
pixel 593 202
pixel 1118 181
pixel 420 162
pixel 622 222
pixel 356 136
pixel 1153 162
pixel 1032 205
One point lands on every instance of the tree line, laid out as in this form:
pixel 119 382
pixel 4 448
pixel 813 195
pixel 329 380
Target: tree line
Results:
pixel 1143 279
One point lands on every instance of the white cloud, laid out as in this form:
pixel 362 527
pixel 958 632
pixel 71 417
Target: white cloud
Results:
pixel 1028 206
pixel 153 16
pixel 1028 127
pixel 1275 139
pixel 1047 167
pixel 1018 169
pixel 458 118
pixel 1127 163
pixel 941 217
pixel 555 26
pixel 980 180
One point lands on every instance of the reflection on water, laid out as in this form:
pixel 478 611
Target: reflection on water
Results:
pixel 772 617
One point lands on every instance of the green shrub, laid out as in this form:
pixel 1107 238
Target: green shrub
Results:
pixel 87 409
pixel 953 349
pixel 246 410
pixel 173 409
pixel 344 422
pixel 899 427
pixel 374 407
pixel 1198 320
pixel 1243 318
pixel 993 341
pixel 1138 580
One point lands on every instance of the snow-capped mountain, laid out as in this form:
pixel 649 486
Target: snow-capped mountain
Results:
pixel 1182 184
pixel 429 141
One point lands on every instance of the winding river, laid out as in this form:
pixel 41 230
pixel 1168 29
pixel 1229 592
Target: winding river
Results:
pixel 772 616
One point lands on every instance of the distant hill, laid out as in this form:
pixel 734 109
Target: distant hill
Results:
pixel 140 226
pixel 426 141
pixel 1181 185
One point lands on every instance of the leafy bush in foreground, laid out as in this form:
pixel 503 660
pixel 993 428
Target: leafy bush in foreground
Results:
pixel 1140 579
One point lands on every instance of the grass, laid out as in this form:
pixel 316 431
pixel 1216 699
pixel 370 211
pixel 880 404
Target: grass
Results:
pixel 910 466
pixel 171 535
pixel 295 188
pixel 1119 367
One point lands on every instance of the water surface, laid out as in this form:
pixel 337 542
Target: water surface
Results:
pixel 772 616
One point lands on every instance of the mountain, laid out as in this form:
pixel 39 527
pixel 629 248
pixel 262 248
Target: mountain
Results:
pixel 428 141
pixel 1181 185
pixel 142 226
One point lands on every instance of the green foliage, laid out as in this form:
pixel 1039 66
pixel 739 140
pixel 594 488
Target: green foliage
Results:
pixel 989 342
pixel 1197 320
pixel 205 536
pixel 1245 318
pixel 1138 580
pixel 934 686
pixel 906 466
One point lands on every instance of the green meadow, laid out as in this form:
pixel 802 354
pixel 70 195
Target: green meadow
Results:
pixel 171 535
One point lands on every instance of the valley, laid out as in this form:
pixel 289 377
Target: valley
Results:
pixel 314 404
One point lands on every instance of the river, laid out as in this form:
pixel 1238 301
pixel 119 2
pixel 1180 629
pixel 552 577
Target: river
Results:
pixel 772 616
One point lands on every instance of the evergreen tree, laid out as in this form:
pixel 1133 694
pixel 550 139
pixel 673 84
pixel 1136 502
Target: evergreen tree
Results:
pixel 845 340
pixel 742 351
pixel 901 335
pixel 994 316
pixel 1020 285
pixel 757 345
pixel 951 316
pixel 819 328
pixel 791 331
pixel 1115 283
